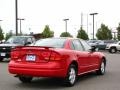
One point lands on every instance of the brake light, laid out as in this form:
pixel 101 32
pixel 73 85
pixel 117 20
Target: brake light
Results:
pixel 46 55
pixel 15 53
pixel 55 56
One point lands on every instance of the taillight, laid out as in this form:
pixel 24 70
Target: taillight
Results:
pixel 46 55
pixel 55 56
pixel 49 55
pixel 15 53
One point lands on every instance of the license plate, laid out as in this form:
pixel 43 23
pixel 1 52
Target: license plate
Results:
pixel 30 58
pixel 3 54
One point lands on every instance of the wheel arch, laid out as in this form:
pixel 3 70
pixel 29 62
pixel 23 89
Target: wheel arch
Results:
pixel 113 47
pixel 104 60
pixel 74 62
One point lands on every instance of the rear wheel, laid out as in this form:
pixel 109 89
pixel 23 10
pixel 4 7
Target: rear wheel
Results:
pixel 113 50
pixel 25 79
pixel 71 76
pixel 101 70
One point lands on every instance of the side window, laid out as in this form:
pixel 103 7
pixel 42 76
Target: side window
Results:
pixel 29 40
pixel 85 45
pixel 72 46
pixel 77 45
pixel 33 40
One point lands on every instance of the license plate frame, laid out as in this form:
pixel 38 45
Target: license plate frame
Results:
pixel 30 58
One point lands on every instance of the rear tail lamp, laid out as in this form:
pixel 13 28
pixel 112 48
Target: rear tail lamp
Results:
pixel 15 53
pixel 48 55
pixel 55 56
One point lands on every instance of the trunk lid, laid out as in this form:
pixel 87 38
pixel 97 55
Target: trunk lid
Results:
pixel 34 54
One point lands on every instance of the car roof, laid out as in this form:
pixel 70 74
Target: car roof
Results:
pixel 22 36
pixel 69 38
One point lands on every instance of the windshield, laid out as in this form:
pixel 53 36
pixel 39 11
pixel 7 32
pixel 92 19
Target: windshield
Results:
pixel 16 40
pixel 51 42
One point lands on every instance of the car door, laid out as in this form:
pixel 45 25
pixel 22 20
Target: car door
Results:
pixel 93 57
pixel 82 56
pixel 118 47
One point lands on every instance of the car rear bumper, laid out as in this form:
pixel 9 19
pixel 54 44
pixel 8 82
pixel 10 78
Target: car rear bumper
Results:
pixel 37 70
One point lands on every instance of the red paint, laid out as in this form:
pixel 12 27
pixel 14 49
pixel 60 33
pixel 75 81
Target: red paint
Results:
pixel 52 62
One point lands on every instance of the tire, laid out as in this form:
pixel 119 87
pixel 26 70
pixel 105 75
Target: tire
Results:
pixel 71 76
pixel 113 50
pixel 25 79
pixel 102 68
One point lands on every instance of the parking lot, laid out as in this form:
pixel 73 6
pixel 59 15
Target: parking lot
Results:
pixel 109 81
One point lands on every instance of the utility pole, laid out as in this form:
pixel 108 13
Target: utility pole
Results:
pixel 65 24
pixel 87 23
pixel 16 17
pixel 20 24
pixel 81 20
pixel 93 22
pixel 114 34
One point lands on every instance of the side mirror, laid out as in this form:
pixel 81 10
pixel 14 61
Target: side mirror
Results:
pixel 93 48
pixel 27 43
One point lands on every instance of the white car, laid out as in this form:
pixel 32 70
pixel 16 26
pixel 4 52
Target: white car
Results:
pixel 113 48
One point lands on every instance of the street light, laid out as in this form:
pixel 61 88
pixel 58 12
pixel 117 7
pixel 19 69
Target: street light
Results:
pixel 93 22
pixel 20 24
pixel 65 24
pixel 16 17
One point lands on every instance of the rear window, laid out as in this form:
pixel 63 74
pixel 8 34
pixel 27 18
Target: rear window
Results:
pixel 16 40
pixel 51 42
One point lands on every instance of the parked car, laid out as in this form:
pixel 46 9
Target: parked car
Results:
pixel 12 42
pixel 64 58
pixel 99 44
pixel 92 42
pixel 113 48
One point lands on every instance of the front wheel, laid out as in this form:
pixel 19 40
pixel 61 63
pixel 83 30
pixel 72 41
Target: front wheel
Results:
pixel 25 79
pixel 101 70
pixel 71 76
pixel 113 50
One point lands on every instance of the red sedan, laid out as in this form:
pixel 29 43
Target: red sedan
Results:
pixel 64 58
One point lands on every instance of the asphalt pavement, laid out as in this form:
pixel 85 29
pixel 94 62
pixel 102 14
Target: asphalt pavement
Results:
pixel 109 81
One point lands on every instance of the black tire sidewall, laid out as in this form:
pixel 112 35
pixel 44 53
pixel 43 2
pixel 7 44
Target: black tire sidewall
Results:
pixel 114 49
pixel 25 79
pixel 67 81
pixel 99 72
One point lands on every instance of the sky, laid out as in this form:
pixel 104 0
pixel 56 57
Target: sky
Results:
pixel 38 13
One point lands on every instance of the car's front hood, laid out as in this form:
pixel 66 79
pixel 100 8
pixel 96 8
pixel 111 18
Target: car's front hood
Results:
pixel 10 45
pixel 113 44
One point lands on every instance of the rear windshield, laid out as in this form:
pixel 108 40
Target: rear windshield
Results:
pixel 16 40
pixel 51 42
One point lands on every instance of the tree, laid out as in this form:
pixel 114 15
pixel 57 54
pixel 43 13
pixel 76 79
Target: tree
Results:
pixel 9 34
pixel 65 34
pixel 82 34
pixel 104 33
pixel 47 32
pixel 1 34
pixel 118 30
